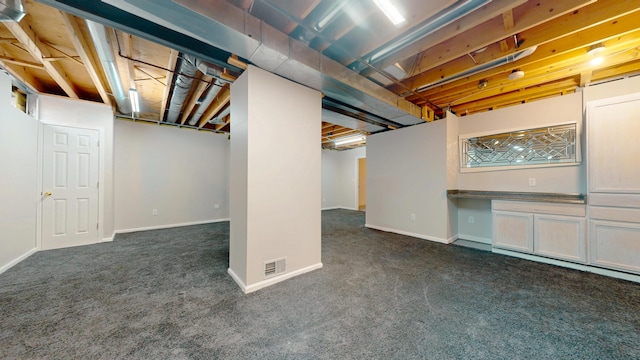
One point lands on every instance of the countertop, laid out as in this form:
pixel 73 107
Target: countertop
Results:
pixel 519 196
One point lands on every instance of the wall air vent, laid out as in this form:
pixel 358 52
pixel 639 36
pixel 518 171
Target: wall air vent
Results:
pixel 275 267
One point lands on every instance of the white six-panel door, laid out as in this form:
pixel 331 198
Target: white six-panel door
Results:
pixel 70 174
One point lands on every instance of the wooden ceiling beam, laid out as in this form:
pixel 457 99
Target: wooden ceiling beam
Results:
pixel 23 76
pixel 9 60
pixel 29 39
pixel 485 13
pixel 203 84
pixel 83 49
pixel 526 16
pixel 507 20
pixel 171 65
pixel 518 96
pixel 549 54
pixel 127 46
pixel 223 98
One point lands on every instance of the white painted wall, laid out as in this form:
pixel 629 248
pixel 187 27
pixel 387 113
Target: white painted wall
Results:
pixel 563 179
pixel 275 189
pixel 339 178
pixel 56 110
pixel 18 186
pixel 181 173
pixel 407 174
pixel 481 229
pixel 611 89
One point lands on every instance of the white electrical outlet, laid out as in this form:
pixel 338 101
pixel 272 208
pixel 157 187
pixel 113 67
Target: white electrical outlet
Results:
pixel 532 181
pixel 154 212
pixel 471 220
pixel 413 216
pixel 216 206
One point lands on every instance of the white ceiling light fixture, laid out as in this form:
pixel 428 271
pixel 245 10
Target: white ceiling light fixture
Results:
pixel 135 101
pixel 595 49
pixel 349 140
pixel 597 61
pixel 516 74
pixel 391 11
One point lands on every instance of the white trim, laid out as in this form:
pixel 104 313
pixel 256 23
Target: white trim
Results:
pixel 570 265
pixel 18 259
pixel 419 236
pixel 271 281
pixel 357 194
pixel 474 239
pixel 167 226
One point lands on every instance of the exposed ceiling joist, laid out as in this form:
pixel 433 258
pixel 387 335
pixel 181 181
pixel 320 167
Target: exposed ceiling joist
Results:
pixel 84 51
pixel 29 40
pixel 171 65
pixel 223 98
pixel 201 86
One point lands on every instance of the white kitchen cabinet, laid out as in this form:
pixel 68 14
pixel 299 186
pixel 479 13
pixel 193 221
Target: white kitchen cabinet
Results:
pixel 513 231
pixel 552 230
pixel 615 245
pixel 560 237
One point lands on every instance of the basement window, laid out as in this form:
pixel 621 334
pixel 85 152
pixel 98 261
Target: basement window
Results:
pixel 555 145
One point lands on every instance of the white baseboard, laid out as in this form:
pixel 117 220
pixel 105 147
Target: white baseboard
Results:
pixel 168 226
pixel 274 280
pixel 570 265
pixel 339 207
pixel 17 260
pixel 474 238
pixel 419 236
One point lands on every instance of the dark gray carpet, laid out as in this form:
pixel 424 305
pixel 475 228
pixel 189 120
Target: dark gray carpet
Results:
pixel 166 294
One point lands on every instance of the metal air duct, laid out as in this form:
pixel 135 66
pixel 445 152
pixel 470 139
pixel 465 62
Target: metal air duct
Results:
pixel 220 118
pixel 182 86
pixel 102 44
pixel 211 94
pixel 11 10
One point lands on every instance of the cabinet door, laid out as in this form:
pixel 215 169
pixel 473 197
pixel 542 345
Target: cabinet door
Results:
pixel 615 245
pixel 513 231
pixel 613 126
pixel 561 237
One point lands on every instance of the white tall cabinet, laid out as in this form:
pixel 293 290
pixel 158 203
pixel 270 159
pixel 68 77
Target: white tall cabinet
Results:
pixel 613 127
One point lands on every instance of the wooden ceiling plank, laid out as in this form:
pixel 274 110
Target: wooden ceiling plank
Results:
pixel 507 20
pixel 485 13
pixel 171 65
pixel 23 76
pixel 585 77
pixel 202 85
pixel 221 100
pixel 9 60
pixel 82 48
pixel 559 50
pixel 128 51
pixel 527 16
pixel 28 38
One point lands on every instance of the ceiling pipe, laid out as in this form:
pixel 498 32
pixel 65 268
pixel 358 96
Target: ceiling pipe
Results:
pixel 102 44
pixel 181 87
pixel 220 118
pixel 11 10
pixel 205 68
pixel 445 17
pixel 477 69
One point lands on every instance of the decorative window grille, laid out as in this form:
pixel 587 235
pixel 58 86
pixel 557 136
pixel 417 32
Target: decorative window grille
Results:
pixel 543 146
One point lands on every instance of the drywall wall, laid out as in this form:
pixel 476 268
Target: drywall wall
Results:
pixel 475 221
pixel 275 186
pixel 407 181
pixel 18 184
pixel 55 110
pixel 557 110
pixel 339 178
pixel 182 174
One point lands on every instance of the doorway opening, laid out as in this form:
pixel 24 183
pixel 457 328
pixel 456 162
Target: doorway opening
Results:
pixel 362 184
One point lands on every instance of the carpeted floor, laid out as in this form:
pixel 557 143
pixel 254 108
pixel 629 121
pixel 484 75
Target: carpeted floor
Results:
pixel 166 295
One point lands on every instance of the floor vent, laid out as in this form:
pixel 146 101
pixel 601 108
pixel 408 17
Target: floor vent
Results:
pixel 275 267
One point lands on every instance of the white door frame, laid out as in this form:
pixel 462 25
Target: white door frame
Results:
pixel 40 189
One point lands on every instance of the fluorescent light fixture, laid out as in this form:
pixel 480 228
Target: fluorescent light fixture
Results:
pixel 391 11
pixel 348 140
pixel 135 101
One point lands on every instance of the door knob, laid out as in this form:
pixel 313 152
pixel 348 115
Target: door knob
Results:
pixel 48 193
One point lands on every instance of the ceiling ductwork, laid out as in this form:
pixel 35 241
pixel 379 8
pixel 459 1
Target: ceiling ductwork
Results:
pixel 101 41
pixel 11 10
pixel 250 38
pixel 219 120
pixel 186 72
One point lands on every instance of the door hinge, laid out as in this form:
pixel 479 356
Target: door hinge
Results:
pixel 97 226
pixel 98 143
pixel 98 185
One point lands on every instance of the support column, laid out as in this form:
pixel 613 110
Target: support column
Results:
pixel 275 190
